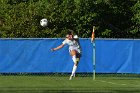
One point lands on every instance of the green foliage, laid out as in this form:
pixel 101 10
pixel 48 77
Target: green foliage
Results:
pixel 136 20
pixel 113 18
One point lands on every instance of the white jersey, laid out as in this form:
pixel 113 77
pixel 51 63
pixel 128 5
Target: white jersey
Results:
pixel 73 45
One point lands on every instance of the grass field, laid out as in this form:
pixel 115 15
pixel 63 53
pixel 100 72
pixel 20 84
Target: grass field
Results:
pixel 49 84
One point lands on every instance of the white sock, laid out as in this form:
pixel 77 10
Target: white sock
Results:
pixel 74 58
pixel 74 70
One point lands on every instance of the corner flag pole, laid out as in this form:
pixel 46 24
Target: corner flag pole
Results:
pixel 93 42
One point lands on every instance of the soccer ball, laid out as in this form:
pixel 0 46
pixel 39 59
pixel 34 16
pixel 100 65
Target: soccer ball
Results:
pixel 44 22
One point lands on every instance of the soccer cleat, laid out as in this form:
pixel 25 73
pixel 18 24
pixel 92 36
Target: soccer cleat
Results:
pixel 70 78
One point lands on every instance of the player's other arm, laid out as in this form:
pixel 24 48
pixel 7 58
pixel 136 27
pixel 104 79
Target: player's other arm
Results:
pixel 59 47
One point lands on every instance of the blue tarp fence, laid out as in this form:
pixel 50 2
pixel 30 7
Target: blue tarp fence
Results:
pixel 35 56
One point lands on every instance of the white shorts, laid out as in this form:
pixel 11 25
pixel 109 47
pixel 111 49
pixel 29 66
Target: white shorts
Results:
pixel 76 49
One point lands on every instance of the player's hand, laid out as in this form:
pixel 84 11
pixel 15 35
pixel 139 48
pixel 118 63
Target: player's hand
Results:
pixel 52 49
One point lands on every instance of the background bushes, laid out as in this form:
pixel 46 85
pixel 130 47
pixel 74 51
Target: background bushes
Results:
pixel 112 18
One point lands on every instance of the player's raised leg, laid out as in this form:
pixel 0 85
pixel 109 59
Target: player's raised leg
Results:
pixel 74 58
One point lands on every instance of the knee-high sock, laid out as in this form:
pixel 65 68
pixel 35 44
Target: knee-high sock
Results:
pixel 74 66
pixel 73 70
pixel 74 59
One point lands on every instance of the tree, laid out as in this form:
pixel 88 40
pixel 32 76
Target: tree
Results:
pixel 115 16
pixel 112 18
pixel 136 20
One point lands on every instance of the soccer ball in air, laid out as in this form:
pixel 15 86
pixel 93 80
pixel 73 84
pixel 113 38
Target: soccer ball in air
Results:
pixel 44 22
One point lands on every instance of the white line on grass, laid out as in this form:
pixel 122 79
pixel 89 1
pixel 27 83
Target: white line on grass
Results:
pixel 122 84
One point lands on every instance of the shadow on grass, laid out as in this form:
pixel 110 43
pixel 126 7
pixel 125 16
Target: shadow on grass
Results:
pixel 70 91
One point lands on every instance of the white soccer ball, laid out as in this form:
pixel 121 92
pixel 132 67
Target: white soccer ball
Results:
pixel 44 22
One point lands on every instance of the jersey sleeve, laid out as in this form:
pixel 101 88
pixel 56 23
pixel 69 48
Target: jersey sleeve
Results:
pixel 64 42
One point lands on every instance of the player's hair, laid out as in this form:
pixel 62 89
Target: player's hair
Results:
pixel 70 32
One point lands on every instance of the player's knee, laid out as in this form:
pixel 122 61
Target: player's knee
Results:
pixel 77 61
pixel 73 52
pixel 77 58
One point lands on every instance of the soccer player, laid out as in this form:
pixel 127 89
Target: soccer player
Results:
pixel 74 49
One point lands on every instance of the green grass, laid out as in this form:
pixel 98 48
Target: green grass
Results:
pixel 49 84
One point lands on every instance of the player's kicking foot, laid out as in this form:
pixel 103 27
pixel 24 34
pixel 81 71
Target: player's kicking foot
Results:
pixel 71 77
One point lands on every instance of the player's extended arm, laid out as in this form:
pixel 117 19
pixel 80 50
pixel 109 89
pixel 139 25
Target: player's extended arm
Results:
pixel 59 47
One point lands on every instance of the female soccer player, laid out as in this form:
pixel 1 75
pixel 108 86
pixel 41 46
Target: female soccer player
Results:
pixel 74 49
